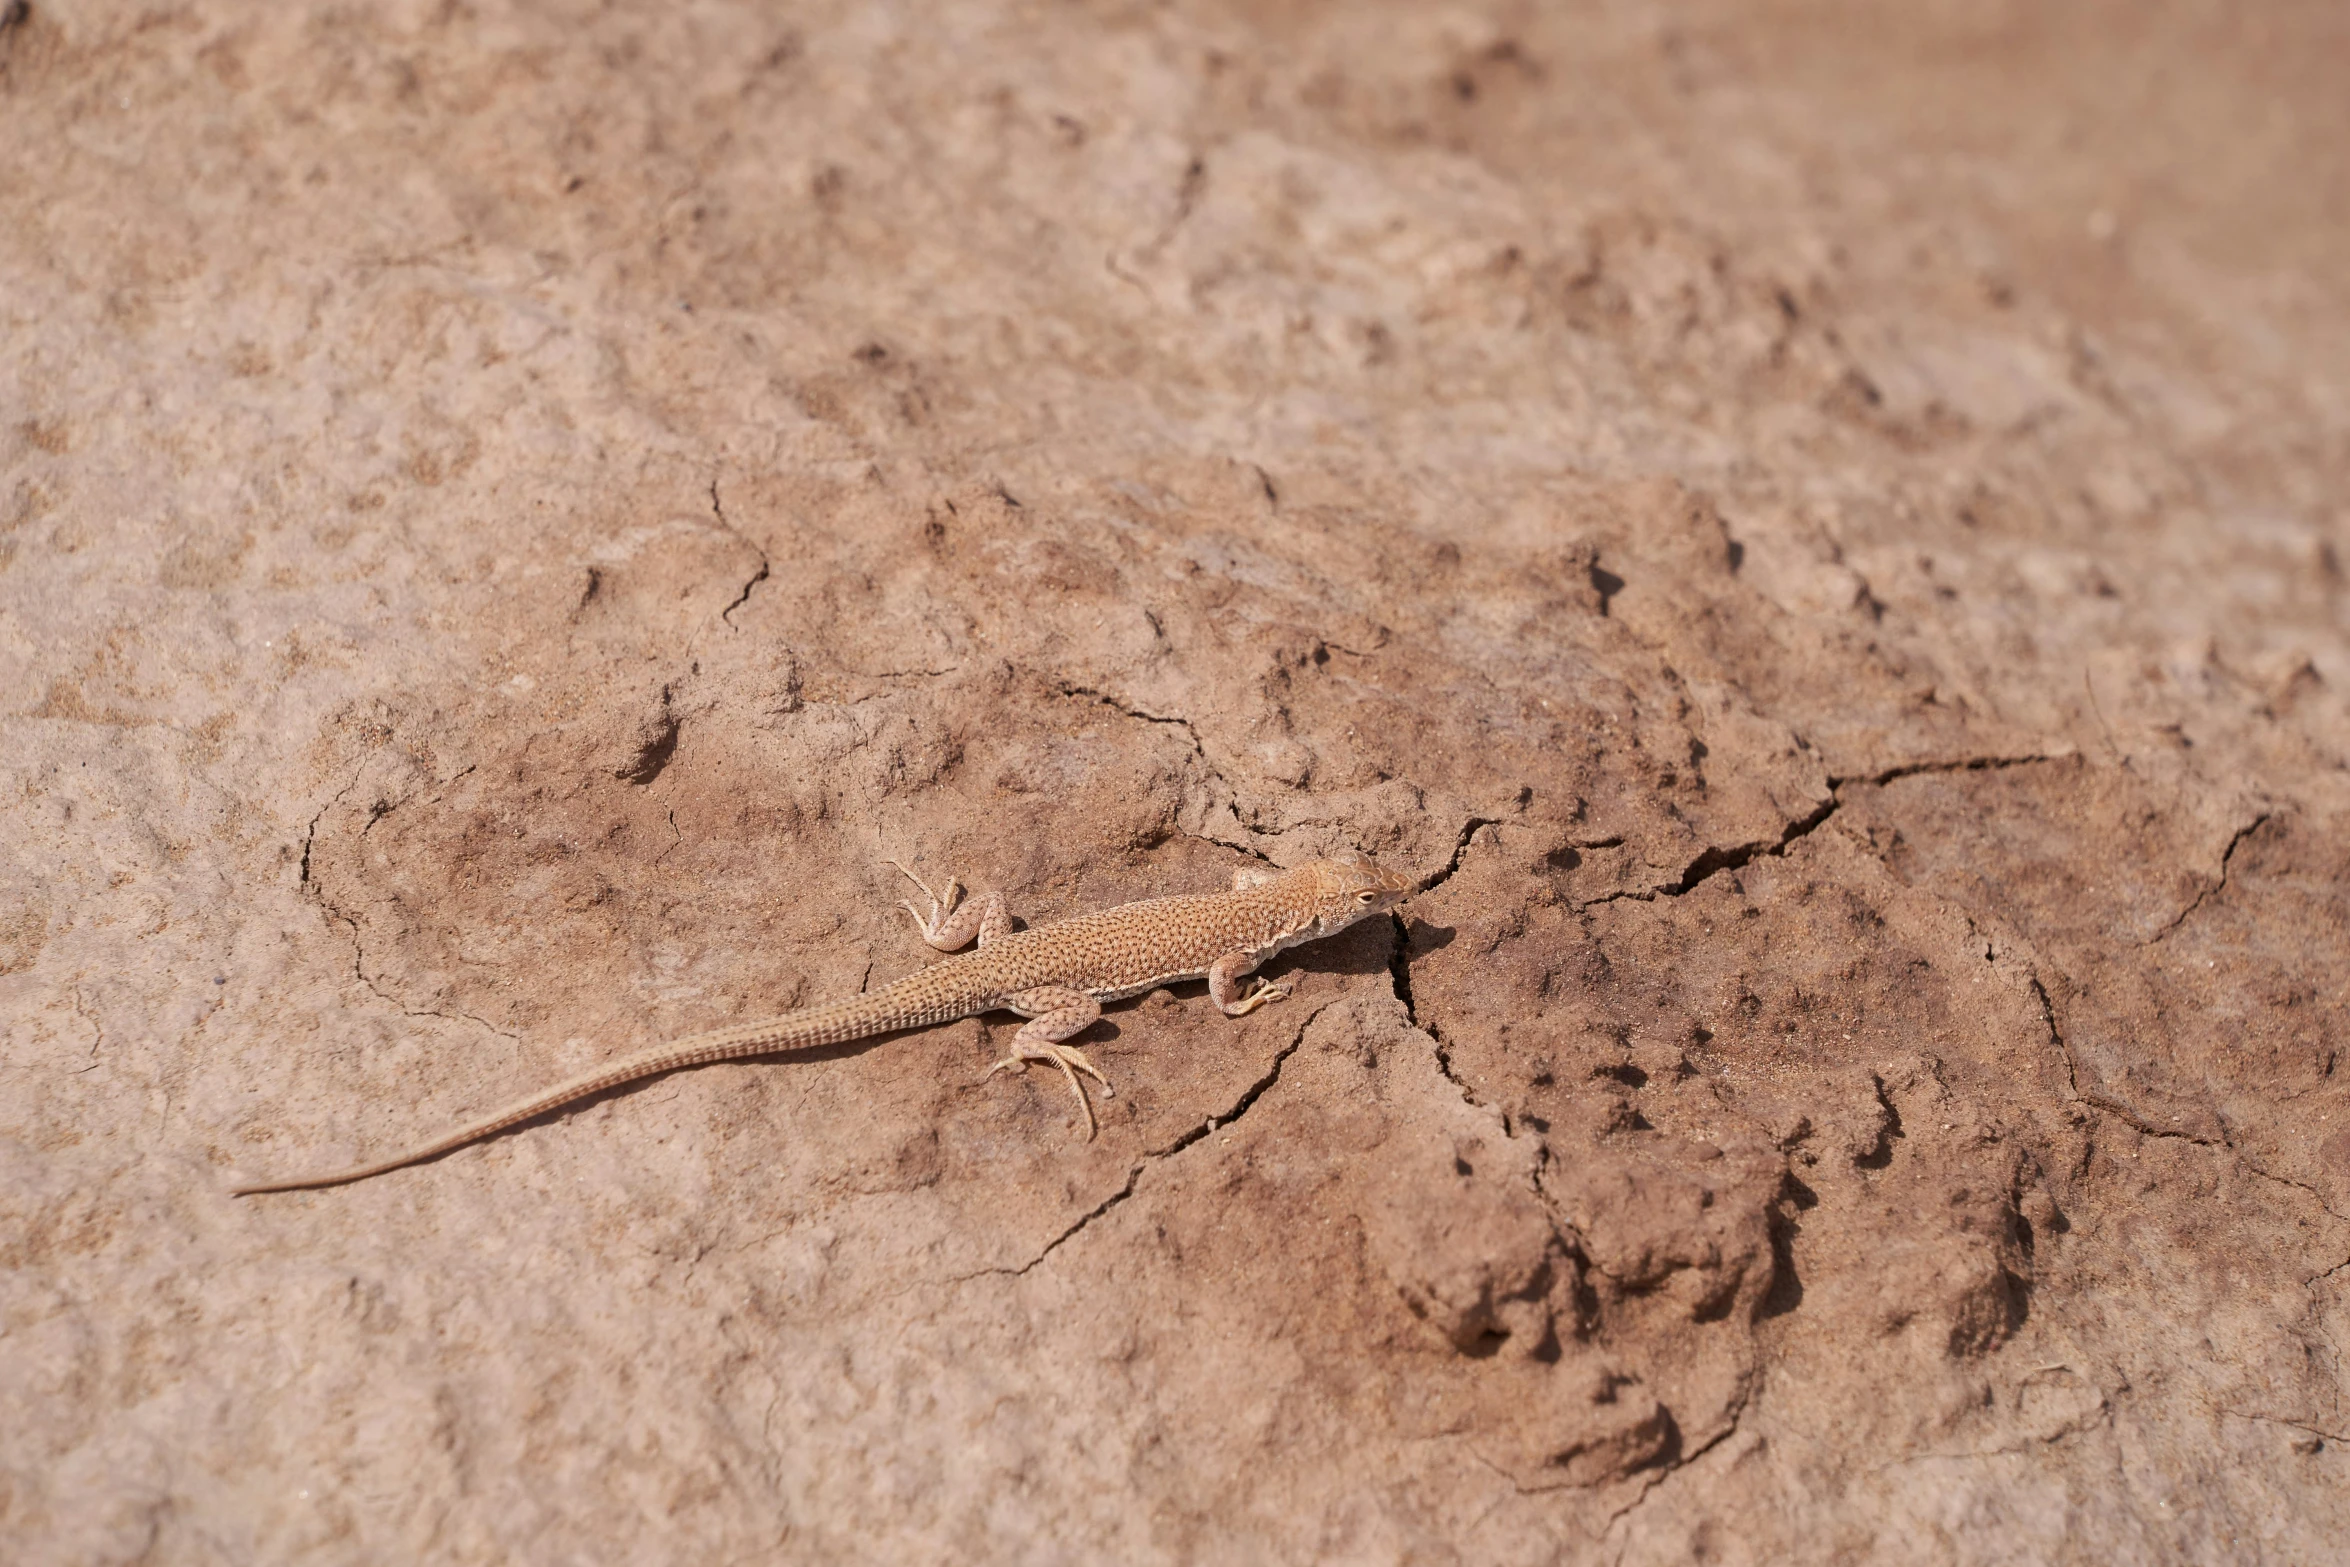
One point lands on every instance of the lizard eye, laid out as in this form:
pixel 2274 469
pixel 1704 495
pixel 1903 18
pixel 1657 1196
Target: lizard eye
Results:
pixel 1365 897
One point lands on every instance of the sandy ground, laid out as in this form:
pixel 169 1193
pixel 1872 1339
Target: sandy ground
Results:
pixel 1818 532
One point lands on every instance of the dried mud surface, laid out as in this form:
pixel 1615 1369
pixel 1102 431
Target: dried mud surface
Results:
pixel 1818 531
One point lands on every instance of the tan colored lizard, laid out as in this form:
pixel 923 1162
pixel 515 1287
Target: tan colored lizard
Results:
pixel 1056 975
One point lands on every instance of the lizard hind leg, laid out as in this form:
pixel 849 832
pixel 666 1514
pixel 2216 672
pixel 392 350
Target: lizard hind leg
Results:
pixel 1054 1014
pixel 951 923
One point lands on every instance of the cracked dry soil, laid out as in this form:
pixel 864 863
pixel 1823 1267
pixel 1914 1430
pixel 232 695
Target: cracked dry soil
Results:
pixel 1818 533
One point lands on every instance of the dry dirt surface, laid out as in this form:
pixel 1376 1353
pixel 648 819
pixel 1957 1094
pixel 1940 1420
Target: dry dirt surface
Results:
pixel 1817 532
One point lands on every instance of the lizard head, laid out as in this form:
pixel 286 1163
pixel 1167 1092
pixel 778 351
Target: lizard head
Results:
pixel 1348 887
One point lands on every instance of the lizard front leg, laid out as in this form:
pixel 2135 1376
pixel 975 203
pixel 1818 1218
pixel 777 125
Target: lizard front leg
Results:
pixel 951 924
pixel 1055 1012
pixel 1224 977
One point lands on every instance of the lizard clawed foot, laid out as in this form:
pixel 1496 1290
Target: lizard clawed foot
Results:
pixel 940 907
pixel 1071 1061
pixel 1264 995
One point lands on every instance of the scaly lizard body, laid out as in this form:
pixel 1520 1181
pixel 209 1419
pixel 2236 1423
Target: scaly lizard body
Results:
pixel 1056 975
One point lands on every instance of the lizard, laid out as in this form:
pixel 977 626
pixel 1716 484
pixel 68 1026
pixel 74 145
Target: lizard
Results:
pixel 1056 975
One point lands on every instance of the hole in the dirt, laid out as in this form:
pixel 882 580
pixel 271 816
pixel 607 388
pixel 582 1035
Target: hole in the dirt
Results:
pixel 1625 1073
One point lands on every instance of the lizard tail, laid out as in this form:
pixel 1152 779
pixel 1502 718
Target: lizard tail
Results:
pixel 824 1025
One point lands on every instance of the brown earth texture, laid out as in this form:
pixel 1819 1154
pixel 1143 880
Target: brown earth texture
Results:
pixel 1815 531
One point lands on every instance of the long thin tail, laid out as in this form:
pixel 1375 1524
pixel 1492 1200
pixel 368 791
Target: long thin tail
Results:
pixel 824 1025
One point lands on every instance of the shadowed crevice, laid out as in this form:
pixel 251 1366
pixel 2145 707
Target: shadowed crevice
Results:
pixel 1460 850
pixel 1964 764
pixel 1714 861
pixel 1399 968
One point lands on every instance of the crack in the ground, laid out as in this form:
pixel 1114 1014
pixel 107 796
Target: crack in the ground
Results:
pixel 2072 1071
pixel 359 972
pixel 1713 860
pixel 1191 732
pixel 2138 1123
pixel 2106 1105
pixel 2285 1180
pixel 2227 856
pixel 1399 974
pixel 1665 1468
pixel 1964 764
pixel 2095 1100
pixel 1399 968
pixel 97 1032
pixel 310 834
pixel 765 565
pixel 2102 1103
pixel 1460 849
pixel 1206 1128
pixel 335 911
pixel 1444 1066
pixel 1067 688
pixel 2320 1432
